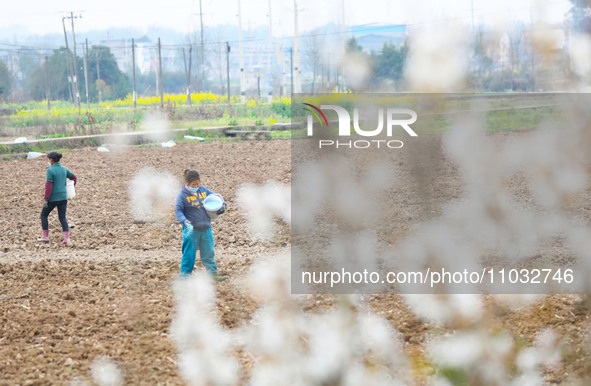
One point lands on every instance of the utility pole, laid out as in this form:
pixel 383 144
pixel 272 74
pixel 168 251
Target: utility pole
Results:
pixel 202 49
pixel 250 54
pixel 133 71
pixel 343 34
pixel 157 75
pixel 281 60
pixel 70 75
pixel 472 9
pixel 259 86
pixel 533 53
pixel 98 78
pixel 160 75
pixel 228 70
pixel 296 81
pixel 291 65
pixel 270 38
pixel 188 73
pixel 241 50
pixel 86 71
pixel 47 91
pixel 328 73
pixel 344 37
pixel 76 88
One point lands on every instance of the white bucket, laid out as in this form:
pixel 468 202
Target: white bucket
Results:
pixel 212 204
pixel 70 189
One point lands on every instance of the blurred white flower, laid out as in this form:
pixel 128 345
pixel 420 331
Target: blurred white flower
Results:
pixel 580 54
pixel 547 39
pixel 105 372
pixel 547 342
pixel 531 360
pixel 157 126
pixel 443 309
pixel 151 194
pixel 459 350
pixel 357 69
pixel 437 59
pixel 355 251
pixel 262 204
pixel 479 354
pixel 203 345
pixel 269 278
pixel 528 379
pixel 427 307
pixel 378 176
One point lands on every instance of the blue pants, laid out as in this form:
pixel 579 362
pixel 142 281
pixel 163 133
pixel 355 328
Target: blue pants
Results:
pixel 198 240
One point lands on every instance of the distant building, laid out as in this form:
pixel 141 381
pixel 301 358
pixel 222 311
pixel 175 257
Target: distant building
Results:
pixel 372 37
pixel 146 55
pixel 121 50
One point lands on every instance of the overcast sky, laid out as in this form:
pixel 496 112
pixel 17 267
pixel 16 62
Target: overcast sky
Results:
pixel 44 16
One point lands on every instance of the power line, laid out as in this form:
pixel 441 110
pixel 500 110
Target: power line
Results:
pixel 286 37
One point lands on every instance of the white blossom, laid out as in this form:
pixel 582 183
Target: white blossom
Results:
pixel 105 372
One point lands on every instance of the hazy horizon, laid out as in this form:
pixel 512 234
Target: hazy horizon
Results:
pixel 40 18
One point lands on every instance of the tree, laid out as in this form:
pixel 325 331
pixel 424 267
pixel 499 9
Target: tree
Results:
pixel 5 80
pixel 353 46
pixel 482 64
pixel 580 14
pixel 58 78
pixel 313 48
pixel 27 63
pixel 174 82
pixel 116 84
pixel 356 67
pixel 199 63
pixel 215 61
pixel 389 63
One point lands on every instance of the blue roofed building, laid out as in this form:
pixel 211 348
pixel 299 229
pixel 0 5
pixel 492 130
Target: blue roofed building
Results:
pixel 373 36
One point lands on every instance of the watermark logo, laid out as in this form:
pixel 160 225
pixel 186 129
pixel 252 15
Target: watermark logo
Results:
pixel 388 118
pixel 315 110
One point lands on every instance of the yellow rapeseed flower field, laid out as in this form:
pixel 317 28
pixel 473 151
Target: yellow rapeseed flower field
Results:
pixel 35 113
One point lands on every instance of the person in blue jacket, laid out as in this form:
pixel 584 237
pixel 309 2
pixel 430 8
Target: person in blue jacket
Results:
pixel 56 196
pixel 196 224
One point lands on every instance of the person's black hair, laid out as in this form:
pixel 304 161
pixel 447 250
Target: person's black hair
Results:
pixel 191 175
pixel 55 156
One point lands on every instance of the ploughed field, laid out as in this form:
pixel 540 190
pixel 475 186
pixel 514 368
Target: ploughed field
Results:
pixel 108 293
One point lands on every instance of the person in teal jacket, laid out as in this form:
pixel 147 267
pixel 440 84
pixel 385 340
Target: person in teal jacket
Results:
pixel 56 195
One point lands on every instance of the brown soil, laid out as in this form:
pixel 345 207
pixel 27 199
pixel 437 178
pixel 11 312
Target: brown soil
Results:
pixel 109 291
